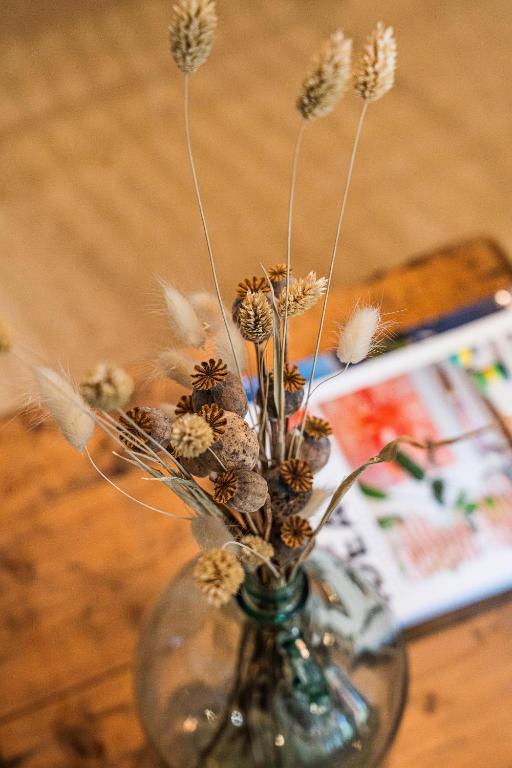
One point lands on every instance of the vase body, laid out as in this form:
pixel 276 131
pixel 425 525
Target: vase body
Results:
pixel 311 675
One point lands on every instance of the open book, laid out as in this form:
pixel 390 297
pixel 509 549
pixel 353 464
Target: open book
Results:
pixel 434 532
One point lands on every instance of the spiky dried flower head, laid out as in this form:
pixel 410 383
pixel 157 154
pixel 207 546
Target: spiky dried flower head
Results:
pixel 107 387
pixel 255 317
pixel 252 284
pixel 277 272
pixel 259 549
pixel 192 33
pixel 5 338
pixel 191 435
pixel 209 374
pixel 293 381
pixel 66 406
pixel 302 295
pixel 316 428
pixel 184 405
pixel 297 475
pixel 147 424
pixel 375 70
pixel 219 575
pixel 357 337
pixel 215 416
pixel 295 531
pixel 185 325
pixel 327 77
pixel 176 366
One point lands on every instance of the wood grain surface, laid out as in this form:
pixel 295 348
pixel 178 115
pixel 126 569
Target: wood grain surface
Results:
pixel 80 565
pixel 95 192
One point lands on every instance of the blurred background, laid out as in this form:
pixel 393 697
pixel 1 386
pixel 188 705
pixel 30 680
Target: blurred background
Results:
pixel 95 191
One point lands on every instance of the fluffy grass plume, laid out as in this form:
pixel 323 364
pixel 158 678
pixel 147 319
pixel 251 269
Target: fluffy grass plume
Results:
pixel 192 33
pixel 357 337
pixel 375 70
pixel 327 78
pixel 176 366
pixel 5 338
pixel 66 406
pixel 186 326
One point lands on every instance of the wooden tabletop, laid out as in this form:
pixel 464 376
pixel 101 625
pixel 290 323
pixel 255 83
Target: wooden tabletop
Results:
pixel 79 566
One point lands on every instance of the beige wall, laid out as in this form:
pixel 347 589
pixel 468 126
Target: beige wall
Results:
pixel 95 193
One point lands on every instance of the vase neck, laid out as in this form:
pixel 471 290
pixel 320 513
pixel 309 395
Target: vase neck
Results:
pixel 270 604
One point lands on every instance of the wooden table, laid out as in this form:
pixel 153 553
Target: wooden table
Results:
pixel 80 564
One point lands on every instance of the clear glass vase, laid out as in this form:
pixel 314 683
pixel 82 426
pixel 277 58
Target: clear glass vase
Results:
pixel 310 675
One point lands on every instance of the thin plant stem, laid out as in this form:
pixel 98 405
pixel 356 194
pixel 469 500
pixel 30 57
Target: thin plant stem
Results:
pixel 203 222
pixel 291 201
pixel 341 217
pixel 128 495
pixel 251 551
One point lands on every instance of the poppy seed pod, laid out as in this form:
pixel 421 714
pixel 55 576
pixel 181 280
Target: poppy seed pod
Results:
pixel 238 446
pixel 284 500
pixel 241 489
pixel 316 446
pixel 149 425
pixel 293 391
pixel 213 383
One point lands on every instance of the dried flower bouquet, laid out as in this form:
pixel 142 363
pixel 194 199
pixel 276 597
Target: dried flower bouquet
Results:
pixel 245 473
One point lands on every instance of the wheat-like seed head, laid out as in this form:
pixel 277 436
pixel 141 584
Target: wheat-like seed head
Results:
pixel 192 33
pixel 327 77
pixel 302 295
pixel 375 71
pixel 176 366
pixel 256 318
pixel 66 406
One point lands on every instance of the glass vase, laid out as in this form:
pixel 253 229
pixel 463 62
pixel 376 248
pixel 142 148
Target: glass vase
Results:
pixel 309 675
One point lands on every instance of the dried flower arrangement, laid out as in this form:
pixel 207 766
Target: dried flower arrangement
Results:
pixel 245 474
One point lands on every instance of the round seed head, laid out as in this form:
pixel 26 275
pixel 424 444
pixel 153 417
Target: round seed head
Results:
pixel 218 574
pixel 191 435
pixel 107 387
pixel 260 549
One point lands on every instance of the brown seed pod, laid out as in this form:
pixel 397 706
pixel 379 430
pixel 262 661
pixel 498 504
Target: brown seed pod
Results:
pixel 316 428
pixel 152 421
pixel 295 531
pixel 241 489
pixel 208 374
pixel 293 392
pixel 229 394
pixel 283 499
pixel 184 405
pixel 315 452
pixel 277 275
pixel 253 285
pixel 297 475
pixel 238 446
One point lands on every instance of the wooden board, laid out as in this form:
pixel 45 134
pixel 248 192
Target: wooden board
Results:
pixel 80 564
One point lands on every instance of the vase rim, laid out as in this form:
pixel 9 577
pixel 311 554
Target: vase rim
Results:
pixel 274 605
